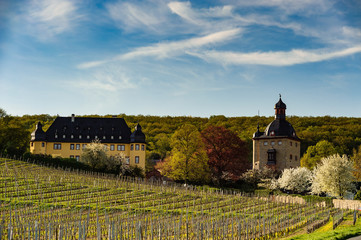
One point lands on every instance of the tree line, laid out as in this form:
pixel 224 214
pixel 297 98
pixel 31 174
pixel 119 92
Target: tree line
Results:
pixel 342 132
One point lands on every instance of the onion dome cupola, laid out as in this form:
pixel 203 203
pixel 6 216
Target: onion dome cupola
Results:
pixel 279 126
pixel 137 136
pixel 38 134
pixel 258 133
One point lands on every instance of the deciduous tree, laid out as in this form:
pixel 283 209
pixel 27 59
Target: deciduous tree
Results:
pixel 227 153
pixel 333 175
pixel 188 159
pixel 314 154
pixel 95 155
pixel 297 180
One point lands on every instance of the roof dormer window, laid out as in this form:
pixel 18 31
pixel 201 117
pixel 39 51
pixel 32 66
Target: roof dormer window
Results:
pixel 272 133
pixel 64 136
pixel 56 136
pixel 71 136
pixel 111 137
pixel 120 137
pixel 79 136
pixel 104 137
pixel 88 137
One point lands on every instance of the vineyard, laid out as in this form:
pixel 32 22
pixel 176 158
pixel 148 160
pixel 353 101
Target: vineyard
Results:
pixel 38 202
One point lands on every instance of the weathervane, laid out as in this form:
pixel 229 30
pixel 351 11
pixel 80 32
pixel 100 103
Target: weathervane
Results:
pixel 280 95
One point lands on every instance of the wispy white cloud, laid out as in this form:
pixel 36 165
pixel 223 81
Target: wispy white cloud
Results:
pixel 170 49
pixel 48 18
pixel 135 15
pixel 109 79
pixel 280 58
pixel 164 50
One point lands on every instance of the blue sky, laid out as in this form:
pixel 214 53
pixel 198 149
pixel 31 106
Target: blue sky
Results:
pixel 192 58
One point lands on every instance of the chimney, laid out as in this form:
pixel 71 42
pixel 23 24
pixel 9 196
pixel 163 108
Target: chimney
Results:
pixel 72 118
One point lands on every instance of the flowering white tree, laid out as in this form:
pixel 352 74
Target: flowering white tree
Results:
pixel 296 179
pixel 333 175
pixel 95 155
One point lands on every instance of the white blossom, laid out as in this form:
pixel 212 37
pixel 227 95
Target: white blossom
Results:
pixel 333 176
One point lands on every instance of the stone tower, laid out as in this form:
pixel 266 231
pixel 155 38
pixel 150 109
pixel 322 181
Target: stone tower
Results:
pixel 278 147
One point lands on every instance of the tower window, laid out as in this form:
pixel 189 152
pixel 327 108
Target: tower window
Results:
pixel 137 147
pixel 296 158
pixel 137 159
pixel 290 156
pixel 143 147
pixel 271 157
pixel 290 143
pixel 32 144
pixel 43 144
pixel 296 144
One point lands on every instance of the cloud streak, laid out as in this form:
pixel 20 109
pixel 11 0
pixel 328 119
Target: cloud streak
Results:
pixel 48 18
pixel 170 49
pixel 281 58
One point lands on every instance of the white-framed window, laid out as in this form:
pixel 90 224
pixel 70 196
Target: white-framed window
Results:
pixel 137 147
pixel 265 143
pixel 127 160
pixel 137 159
pixel 78 147
pixel 71 146
pixel 84 146
pixel 143 147
pixel 112 147
pixel 131 147
pixel 272 143
pixel 279 142
pixel 57 146
pixel 77 158
pixel 71 156
pixel 121 148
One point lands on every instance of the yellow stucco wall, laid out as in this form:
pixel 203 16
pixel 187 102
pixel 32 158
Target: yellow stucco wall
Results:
pixel 66 151
pixel 284 147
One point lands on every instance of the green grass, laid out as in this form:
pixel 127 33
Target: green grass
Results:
pixel 344 231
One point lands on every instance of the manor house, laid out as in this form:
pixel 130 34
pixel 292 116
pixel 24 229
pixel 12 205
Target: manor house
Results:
pixel 68 136
pixel 278 147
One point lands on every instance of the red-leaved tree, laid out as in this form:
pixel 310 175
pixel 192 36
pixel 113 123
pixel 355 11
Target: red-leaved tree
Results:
pixel 227 153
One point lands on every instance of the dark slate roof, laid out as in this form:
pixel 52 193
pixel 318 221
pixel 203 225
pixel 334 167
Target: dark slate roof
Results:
pixel 38 133
pixel 280 104
pixel 107 130
pixel 279 128
pixel 137 136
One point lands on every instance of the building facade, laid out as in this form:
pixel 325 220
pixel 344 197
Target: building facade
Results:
pixel 278 147
pixel 68 136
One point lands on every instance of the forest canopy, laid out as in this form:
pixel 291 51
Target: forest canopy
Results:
pixel 343 132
